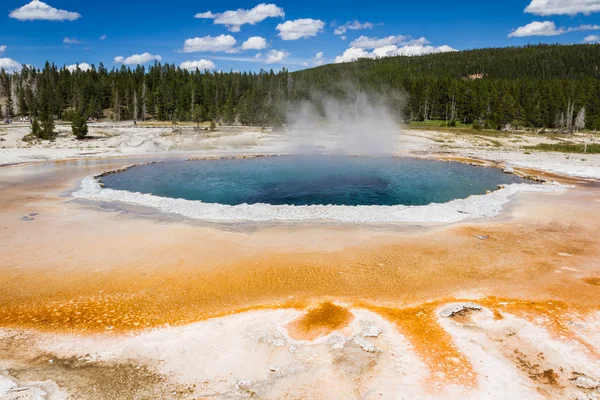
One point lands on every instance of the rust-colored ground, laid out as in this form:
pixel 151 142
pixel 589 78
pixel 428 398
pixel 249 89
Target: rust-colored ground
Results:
pixel 320 321
pixel 74 268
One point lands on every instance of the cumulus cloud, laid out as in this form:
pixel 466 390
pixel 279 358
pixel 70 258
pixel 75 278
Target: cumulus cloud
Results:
pixel 103 37
pixel 8 64
pixel 585 28
pixel 300 28
pixel 548 28
pixel 37 10
pixel 563 7
pixel 198 64
pixel 354 53
pixel 353 25
pixel 254 43
pixel 137 59
pixel 83 67
pixel 592 39
pixel 318 59
pixel 364 42
pixel 68 40
pixel 3 49
pixel 221 43
pixel 233 20
pixel 536 28
pixel 276 56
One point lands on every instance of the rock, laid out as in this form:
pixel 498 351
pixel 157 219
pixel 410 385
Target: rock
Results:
pixel 336 342
pixel 508 170
pixel 369 329
pixel 584 382
pixel 365 345
pixel 274 339
pixel 457 308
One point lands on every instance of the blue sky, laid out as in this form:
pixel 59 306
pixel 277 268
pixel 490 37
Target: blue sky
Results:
pixel 297 34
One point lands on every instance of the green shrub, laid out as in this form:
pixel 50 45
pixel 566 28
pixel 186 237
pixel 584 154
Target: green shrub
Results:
pixel 69 114
pixel 36 130
pixel 79 127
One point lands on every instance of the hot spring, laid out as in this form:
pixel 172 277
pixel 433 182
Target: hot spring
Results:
pixel 311 180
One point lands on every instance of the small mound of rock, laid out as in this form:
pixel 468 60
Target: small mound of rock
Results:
pixel 584 382
pixel 369 329
pixel 365 345
pixel 457 308
pixel 336 342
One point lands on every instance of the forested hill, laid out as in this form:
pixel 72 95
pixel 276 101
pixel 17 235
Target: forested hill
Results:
pixel 536 62
pixel 533 86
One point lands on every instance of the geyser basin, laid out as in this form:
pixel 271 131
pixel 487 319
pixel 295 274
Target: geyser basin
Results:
pixel 311 180
pixel 299 188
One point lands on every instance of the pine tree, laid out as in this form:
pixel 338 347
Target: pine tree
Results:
pixel 79 127
pixel 580 120
pixel 46 116
pixel 36 130
pixel 197 115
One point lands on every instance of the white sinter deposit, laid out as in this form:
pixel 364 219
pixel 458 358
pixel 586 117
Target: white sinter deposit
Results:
pixel 476 206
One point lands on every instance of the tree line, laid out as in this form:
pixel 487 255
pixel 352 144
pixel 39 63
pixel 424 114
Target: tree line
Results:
pixel 551 86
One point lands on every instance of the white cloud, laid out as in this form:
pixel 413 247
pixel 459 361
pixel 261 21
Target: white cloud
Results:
pixel 205 15
pixel 68 40
pixel 83 66
pixel 233 20
pixel 276 56
pixel 536 28
pixel 37 10
pixel 585 28
pixel 548 28
pixel 103 37
pixel 354 53
pixel 198 64
pixel 592 39
pixel 300 28
pixel 354 25
pixel 137 59
pixel 364 42
pixel 563 7
pixel 318 59
pixel 9 65
pixel 3 49
pixel 254 43
pixel 221 43
pixel 419 41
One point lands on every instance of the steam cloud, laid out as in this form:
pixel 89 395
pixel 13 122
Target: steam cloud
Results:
pixel 351 122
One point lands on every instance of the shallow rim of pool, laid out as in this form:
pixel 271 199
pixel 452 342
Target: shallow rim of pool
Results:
pixel 474 206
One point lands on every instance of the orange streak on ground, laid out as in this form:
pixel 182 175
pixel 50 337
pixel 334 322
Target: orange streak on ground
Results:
pixel 554 316
pixel 319 321
pixel 432 343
